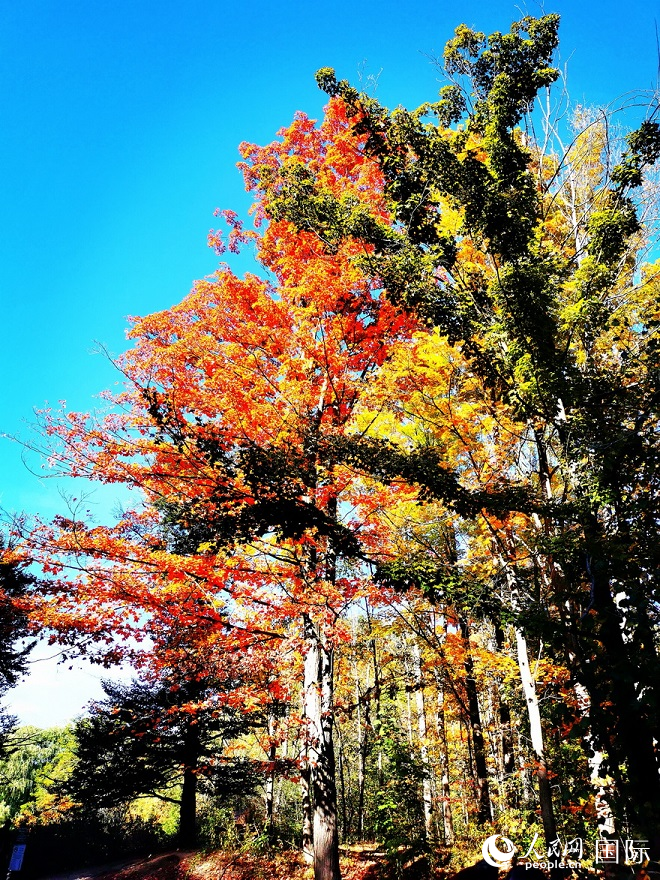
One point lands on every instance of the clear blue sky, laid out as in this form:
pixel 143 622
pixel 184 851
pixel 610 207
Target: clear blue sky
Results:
pixel 119 123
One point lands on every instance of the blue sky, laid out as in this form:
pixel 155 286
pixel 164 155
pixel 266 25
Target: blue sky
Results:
pixel 119 126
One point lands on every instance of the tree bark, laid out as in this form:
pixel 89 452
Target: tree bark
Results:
pixel 423 746
pixel 445 788
pixel 606 825
pixel 508 758
pixel 536 734
pixel 306 779
pixel 617 717
pixel 307 818
pixel 270 779
pixel 187 835
pixel 609 671
pixel 484 809
pixel 319 699
pixel 362 756
pixel 342 784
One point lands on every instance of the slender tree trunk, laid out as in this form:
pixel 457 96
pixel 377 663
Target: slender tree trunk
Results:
pixel 319 700
pixel 484 809
pixel 423 745
pixel 508 757
pixel 285 755
pixel 377 724
pixel 536 733
pixel 270 779
pixel 528 795
pixel 362 757
pixel 527 679
pixel 342 783
pixel 409 686
pixel 445 789
pixel 508 754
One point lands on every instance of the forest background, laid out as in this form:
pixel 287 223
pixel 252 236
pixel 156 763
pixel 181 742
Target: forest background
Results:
pixel 408 657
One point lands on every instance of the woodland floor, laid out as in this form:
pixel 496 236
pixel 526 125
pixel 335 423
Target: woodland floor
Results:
pixel 224 866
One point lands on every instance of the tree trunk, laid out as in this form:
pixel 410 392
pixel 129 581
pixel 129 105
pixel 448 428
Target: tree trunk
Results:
pixel 270 779
pixel 529 684
pixel 342 784
pixel 423 746
pixel 617 716
pixel 606 826
pixel 508 758
pixel 508 755
pixel 187 835
pixel 318 700
pixel 377 721
pixel 307 819
pixel 610 675
pixel 484 809
pixel 306 781
pixel 536 733
pixel 279 782
pixel 445 790
pixel 362 756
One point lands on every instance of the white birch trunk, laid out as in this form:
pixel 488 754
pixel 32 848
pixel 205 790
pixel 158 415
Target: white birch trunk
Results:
pixel 423 744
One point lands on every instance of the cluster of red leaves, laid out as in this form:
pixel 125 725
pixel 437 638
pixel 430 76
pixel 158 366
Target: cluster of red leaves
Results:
pixel 240 364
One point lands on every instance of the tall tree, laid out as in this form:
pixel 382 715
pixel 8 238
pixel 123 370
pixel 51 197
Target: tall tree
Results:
pixel 544 303
pixel 244 544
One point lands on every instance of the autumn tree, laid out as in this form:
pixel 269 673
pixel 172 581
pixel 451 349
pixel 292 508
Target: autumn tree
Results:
pixel 549 310
pixel 296 449
pixel 244 548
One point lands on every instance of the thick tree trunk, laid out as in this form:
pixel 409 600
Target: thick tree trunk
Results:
pixel 484 809
pixel 318 711
pixel 187 835
pixel 307 818
pixel 609 671
pixel 306 779
pixel 606 825
pixel 617 716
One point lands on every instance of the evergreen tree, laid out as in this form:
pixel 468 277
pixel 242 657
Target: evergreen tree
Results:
pixel 163 740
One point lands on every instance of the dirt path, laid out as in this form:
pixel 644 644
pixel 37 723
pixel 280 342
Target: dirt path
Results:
pixel 156 866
